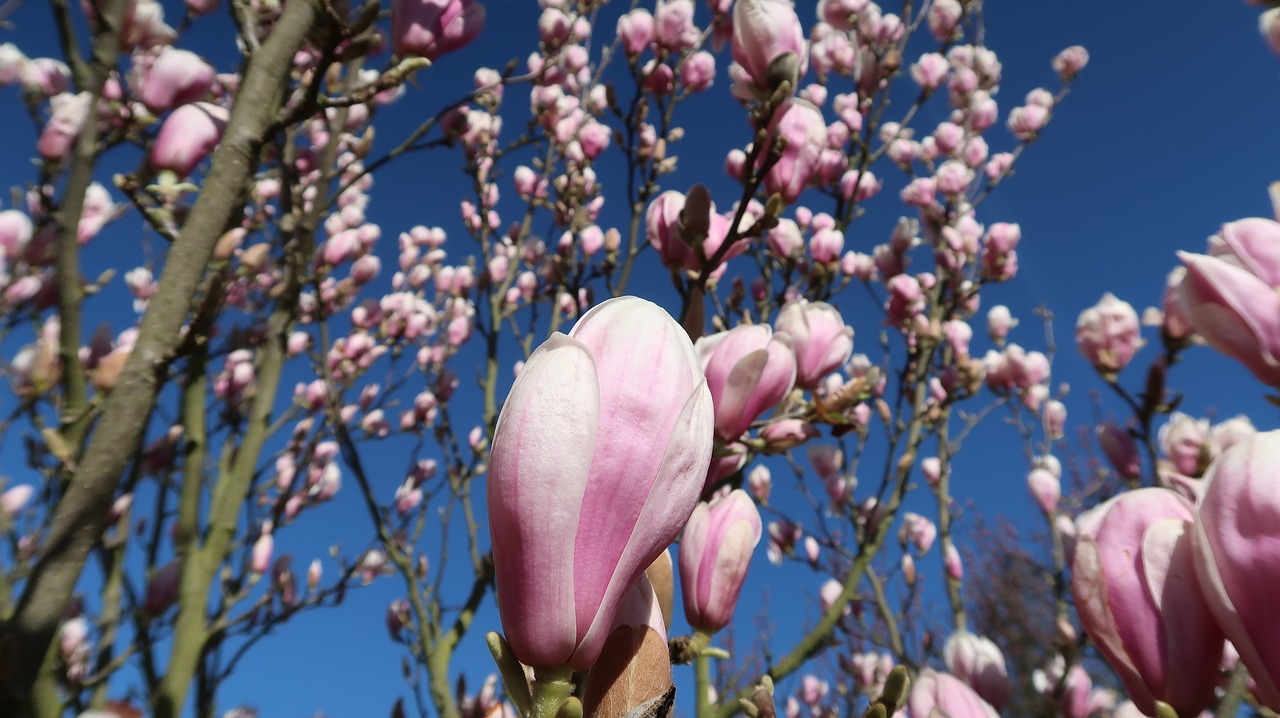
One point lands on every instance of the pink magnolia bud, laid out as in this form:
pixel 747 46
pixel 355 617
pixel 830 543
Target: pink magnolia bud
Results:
pixel 314 572
pixel 175 78
pixel 1026 122
pixel 699 71
pixel 999 321
pixel 931 467
pixel 934 693
pixel 826 244
pixel 919 530
pixel 68 113
pixel 1108 334
pixel 1235 540
pixel 1045 488
pixel 13 499
pixel 944 16
pixel 15 233
pixel 673 26
pixel 431 28
pixel 930 71
pixel 188 136
pixel 1055 418
pixel 1269 26
pixel 1175 323
pixel 1121 450
pixel 162 591
pixel 1070 62
pixel 821 339
pixel 1229 433
pixel 760 481
pixel 784 434
pixel 1139 600
pixel 260 558
pixel 661 223
pixel 952 563
pixel 635 31
pixel 714 555
pixel 799 124
pixel 1236 311
pixel 616 414
pixel 749 370
pixel 768 42
pixel 1184 441
pixel 829 594
pixel 977 660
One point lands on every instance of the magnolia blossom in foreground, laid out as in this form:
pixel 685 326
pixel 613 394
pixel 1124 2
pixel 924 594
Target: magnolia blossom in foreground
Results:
pixel 749 369
pixel 598 458
pixel 714 555
pixel 1236 543
pixel 1138 598
pixel 1230 295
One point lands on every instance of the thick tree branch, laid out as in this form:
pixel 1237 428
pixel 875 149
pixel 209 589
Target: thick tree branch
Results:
pixel 81 514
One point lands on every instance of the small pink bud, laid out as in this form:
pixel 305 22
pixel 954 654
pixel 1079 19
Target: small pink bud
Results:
pixel 1109 334
pixel 952 563
pixel 188 136
pixel 1045 488
pixel 175 78
pixel 714 555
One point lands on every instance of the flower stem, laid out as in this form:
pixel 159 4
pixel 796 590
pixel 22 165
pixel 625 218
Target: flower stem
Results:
pixel 702 674
pixel 551 687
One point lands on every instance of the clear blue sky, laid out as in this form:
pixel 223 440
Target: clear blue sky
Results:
pixel 1169 132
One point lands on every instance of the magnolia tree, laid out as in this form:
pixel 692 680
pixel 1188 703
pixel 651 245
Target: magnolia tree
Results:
pixel 507 424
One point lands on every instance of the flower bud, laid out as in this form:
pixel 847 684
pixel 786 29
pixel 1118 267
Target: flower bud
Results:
pixel 714 555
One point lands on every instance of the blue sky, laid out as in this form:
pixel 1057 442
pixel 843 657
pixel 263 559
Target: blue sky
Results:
pixel 1169 132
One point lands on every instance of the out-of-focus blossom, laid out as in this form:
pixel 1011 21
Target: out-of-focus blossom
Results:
pixel 431 28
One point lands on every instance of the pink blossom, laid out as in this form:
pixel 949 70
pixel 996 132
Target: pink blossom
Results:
pixel 930 71
pixel 1121 450
pixel 188 136
pixel 749 370
pixel 978 661
pixel 431 28
pixel 175 78
pixel 768 42
pixel 1139 600
pixel 714 555
pixel 820 337
pixel 1235 540
pixel 673 27
pixel 698 71
pixel 1070 62
pixel 635 31
pixel 934 693
pixel 1108 334
pixel 798 123
pixel 68 113
pixel 581 429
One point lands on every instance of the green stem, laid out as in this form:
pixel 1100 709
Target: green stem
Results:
pixel 551 688
pixel 702 674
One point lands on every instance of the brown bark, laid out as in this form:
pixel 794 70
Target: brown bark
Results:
pixel 80 517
